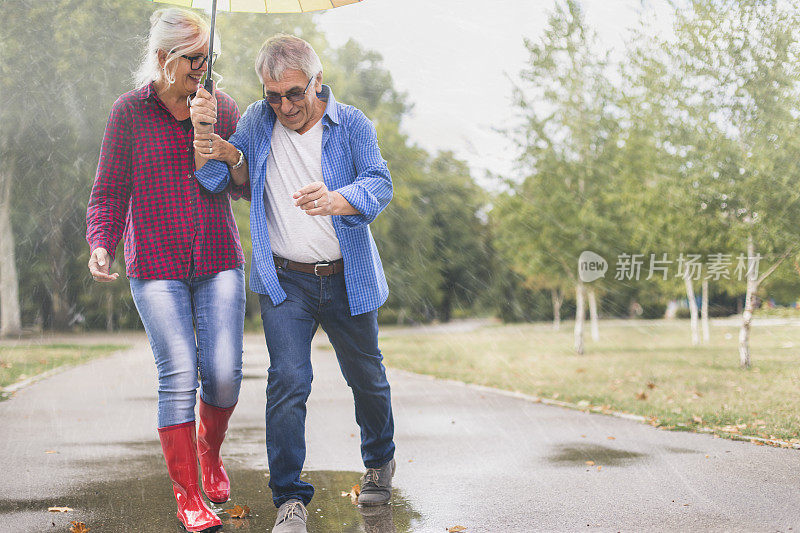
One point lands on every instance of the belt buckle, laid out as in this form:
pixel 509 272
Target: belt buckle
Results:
pixel 323 264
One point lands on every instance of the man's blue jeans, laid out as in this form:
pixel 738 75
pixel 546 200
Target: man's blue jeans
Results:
pixel 172 311
pixel 289 328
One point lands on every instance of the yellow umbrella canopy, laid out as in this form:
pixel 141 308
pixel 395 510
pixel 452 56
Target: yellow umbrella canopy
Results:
pixel 263 6
pixel 252 6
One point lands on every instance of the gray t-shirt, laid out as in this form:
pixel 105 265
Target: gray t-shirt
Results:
pixel 295 161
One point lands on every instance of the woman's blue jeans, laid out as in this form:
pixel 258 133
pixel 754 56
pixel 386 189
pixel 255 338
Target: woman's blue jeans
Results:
pixel 195 326
pixel 289 328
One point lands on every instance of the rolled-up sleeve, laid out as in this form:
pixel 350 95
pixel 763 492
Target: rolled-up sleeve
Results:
pixel 108 202
pixel 372 189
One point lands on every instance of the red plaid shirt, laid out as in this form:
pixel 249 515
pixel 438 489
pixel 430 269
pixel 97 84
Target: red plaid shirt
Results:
pixel 145 185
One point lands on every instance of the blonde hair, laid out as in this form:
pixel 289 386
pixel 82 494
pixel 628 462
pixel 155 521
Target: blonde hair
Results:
pixel 176 32
pixel 286 52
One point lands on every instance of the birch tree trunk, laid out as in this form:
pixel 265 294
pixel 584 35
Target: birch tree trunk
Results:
pixel 704 313
pixel 594 326
pixel 558 299
pixel 10 320
pixel 747 313
pixel 580 313
pixel 692 309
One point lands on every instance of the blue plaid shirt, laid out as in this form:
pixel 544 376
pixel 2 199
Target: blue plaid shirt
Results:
pixel 351 165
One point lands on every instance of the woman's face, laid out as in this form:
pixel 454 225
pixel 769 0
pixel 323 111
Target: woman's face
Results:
pixel 187 79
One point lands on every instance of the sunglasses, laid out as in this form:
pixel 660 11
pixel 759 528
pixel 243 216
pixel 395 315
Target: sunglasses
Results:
pixel 292 96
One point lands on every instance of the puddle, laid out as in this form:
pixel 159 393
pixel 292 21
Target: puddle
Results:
pixel 577 455
pixel 144 502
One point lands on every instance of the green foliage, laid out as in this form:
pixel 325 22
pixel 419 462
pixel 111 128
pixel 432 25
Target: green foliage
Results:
pixel 735 71
pixel 567 140
pixel 692 151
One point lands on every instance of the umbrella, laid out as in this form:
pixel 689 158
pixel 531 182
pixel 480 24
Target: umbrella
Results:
pixel 253 6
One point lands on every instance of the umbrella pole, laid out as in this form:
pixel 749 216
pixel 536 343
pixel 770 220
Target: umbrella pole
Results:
pixel 209 83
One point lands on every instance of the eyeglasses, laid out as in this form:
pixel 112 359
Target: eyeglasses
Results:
pixel 199 60
pixel 294 96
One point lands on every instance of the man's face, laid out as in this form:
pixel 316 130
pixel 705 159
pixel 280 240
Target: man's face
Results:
pixel 297 116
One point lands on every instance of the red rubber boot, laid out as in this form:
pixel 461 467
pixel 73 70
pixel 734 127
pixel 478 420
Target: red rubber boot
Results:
pixel 180 450
pixel 210 434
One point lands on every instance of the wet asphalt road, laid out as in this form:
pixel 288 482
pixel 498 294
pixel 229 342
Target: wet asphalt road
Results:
pixel 86 439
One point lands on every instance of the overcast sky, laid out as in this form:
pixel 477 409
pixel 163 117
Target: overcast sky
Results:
pixel 454 59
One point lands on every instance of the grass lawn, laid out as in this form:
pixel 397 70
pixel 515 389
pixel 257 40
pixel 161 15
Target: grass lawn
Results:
pixel 641 367
pixel 21 362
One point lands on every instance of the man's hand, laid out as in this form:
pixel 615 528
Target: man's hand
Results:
pixel 100 266
pixel 316 199
pixel 203 111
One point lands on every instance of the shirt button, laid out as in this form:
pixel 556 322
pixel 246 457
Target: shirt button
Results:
pixel 189 176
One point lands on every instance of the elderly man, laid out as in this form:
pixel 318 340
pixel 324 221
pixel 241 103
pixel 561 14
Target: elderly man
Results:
pixel 317 180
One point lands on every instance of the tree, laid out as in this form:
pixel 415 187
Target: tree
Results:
pixel 737 63
pixel 567 139
pixel 454 203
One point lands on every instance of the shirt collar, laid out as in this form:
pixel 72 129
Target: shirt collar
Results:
pixel 144 92
pixel 331 109
pixel 148 91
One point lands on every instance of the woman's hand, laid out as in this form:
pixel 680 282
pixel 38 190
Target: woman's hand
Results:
pixel 203 111
pixel 212 146
pixel 100 266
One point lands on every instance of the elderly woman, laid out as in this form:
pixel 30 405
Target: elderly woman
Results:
pixel 182 254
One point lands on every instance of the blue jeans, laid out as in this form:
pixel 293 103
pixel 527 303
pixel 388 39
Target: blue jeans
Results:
pixel 289 328
pixel 194 325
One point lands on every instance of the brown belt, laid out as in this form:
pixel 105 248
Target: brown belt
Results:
pixel 318 269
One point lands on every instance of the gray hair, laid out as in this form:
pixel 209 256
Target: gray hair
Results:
pixel 176 32
pixel 286 52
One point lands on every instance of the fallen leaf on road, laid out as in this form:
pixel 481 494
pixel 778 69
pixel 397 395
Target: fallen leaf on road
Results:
pixel 651 385
pixel 611 438
pixel 590 463
pixel 599 468
pixel 59 509
pixel 238 511
pixel 50 451
pixel 456 529
pixel 78 527
pixel 355 490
